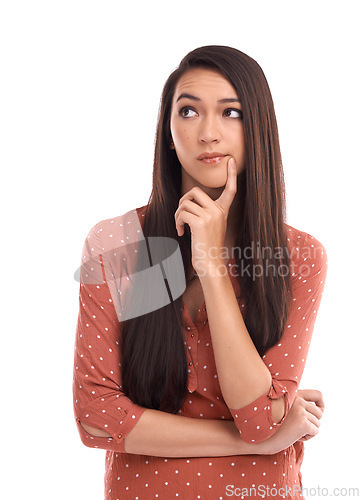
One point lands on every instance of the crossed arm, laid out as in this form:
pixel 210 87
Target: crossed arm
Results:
pixel 158 433
pixel 161 434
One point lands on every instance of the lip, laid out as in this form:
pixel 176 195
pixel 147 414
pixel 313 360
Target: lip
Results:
pixel 216 159
pixel 206 155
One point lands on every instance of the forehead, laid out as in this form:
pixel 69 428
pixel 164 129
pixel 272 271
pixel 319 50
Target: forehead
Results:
pixel 203 81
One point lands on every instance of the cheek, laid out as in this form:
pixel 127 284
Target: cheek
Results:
pixel 182 135
pixel 179 128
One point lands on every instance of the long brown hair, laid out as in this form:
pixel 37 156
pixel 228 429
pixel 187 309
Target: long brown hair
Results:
pixel 154 363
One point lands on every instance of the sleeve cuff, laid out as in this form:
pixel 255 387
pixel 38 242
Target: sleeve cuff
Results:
pixel 117 421
pixel 126 424
pixel 255 421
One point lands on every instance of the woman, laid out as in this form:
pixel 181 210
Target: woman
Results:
pixel 200 398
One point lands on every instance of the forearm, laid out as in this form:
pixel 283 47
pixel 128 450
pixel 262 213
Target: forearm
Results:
pixel 243 376
pixel 164 434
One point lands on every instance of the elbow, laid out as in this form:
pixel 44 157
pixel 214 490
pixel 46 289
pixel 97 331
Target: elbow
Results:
pixel 94 431
pixel 260 419
pixel 278 407
pixel 264 423
pixel 92 437
pixel 86 439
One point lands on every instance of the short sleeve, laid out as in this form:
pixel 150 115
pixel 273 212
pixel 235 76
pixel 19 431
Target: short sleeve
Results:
pixel 286 360
pixel 98 399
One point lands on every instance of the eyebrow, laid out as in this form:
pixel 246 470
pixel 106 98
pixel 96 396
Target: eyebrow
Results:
pixel 189 96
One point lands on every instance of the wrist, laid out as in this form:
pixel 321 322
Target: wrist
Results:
pixel 244 448
pixel 256 448
pixel 214 269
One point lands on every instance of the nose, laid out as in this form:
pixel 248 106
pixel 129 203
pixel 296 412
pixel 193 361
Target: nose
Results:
pixel 209 130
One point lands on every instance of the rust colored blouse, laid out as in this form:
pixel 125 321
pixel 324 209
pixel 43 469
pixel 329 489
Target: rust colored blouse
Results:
pixel 99 401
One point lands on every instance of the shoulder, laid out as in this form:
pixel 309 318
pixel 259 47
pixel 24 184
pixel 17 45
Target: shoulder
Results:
pixel 108 241
pixel 120 229
pixel 307 253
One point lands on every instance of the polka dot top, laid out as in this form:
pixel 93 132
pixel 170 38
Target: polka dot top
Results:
pixel 99 401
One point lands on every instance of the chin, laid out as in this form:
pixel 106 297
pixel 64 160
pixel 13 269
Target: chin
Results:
pixel 213 182
pixel 214 186
pixel 209 180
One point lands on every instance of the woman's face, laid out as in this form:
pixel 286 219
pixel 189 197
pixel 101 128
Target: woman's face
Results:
pixel 199 124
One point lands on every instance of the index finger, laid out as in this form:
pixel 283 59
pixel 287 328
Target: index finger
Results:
pixel 227 196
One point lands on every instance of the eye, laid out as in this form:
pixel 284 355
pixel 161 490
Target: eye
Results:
pixel 240 113
pixel 185 108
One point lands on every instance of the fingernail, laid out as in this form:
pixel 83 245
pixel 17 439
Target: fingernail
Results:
pixel 232 162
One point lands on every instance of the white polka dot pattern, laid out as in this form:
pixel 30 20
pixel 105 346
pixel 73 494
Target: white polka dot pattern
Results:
pixel 286 360
pixel 100 402
pixel 98 399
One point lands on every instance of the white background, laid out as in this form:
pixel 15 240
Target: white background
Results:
pixel 80 90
